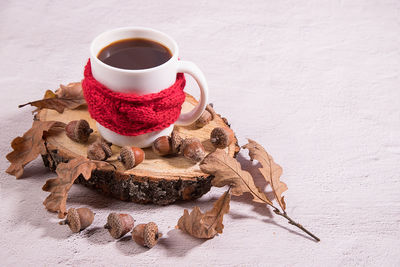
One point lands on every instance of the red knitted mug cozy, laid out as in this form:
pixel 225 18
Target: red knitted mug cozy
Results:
pixel 130 114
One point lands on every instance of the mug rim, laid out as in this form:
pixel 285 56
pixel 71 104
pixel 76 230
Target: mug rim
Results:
pixel 98 61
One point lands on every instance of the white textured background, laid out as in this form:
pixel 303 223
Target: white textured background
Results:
pixel 316 82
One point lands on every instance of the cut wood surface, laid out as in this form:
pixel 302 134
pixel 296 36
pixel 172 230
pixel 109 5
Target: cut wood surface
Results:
pixel 161 180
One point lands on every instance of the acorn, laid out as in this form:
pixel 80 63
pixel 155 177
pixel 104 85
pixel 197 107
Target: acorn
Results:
pixel 207 116
pixel 193 149
pixel 176 142
pixel 221 137
pixel 204 119
pixel 131 156
pixel 78 219
pixel 119 224
pixel 78 130
pixel 146 235
pixel 162 146
pixel 99 150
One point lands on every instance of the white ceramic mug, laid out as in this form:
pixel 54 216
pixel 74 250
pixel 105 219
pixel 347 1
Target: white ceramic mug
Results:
pixel 144 81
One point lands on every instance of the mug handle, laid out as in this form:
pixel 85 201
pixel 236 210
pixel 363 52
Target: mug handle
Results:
pixel 192 69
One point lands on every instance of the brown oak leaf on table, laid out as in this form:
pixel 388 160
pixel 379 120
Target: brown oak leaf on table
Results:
pixel 227 171
pixel 67 174
pixel 205 225
pixel 67 96
pixel 30 145
pixel 270 170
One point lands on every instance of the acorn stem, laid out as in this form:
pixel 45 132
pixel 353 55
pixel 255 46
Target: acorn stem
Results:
pixel 158 236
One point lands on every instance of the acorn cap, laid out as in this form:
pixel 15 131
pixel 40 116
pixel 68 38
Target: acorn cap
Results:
pixel 221 137
pixel 127 157
pixel 176 142
pixel 151 235
pixel 82 131
pixel 73 220
pixel 106 148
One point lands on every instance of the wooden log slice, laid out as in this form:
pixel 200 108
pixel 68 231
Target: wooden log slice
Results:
pixel 159 180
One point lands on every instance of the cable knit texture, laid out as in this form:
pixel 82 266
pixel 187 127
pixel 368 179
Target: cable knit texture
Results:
pixel 130 114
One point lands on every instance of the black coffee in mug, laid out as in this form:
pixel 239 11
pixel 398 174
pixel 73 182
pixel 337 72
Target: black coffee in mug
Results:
pixel 134 54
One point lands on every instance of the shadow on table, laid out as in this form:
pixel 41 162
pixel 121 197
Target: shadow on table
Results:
pixel 29 209
pixel 97 235
pixel 28 196
pixel 178 244
pixel 204 203
pixel 26 192
pixel 101 236
pixel 175 242
pixel 128 247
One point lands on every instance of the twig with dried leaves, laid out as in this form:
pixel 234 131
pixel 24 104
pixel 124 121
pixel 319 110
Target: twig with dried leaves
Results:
pixel 228 171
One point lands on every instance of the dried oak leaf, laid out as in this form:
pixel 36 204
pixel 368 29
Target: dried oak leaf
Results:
pixel 67 174
pixel 49 94
pixel 227 171
pixel 270 170
pixel 72 90
pixel 30 145
pixel 70 96
pixel 205 225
